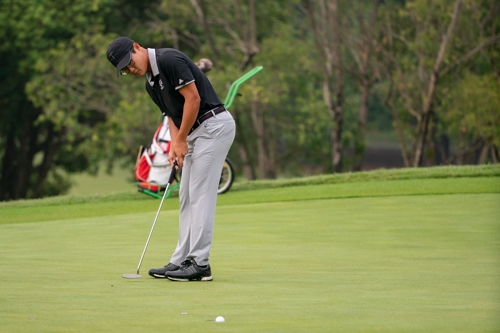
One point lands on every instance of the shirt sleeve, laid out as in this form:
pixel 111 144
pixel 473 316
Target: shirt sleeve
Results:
pixel 176 69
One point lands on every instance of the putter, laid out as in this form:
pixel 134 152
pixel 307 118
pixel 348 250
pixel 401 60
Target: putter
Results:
pixel 137 275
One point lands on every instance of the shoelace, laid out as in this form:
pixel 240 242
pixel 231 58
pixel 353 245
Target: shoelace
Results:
pixel 185 264
pixel 171 266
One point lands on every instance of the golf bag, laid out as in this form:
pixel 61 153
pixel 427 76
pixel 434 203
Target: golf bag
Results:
pixel 152 168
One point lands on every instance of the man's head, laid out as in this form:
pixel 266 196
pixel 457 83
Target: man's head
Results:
pixel 128 57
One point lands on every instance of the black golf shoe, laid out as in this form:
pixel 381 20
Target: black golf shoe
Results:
pixel 159 273
pixel 190 272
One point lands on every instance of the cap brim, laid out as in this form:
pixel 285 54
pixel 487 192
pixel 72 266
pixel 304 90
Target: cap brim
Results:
pixel 123 63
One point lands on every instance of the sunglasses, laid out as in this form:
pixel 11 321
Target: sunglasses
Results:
pixel 124 70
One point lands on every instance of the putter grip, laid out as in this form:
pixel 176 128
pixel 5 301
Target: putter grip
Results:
pixel 172 173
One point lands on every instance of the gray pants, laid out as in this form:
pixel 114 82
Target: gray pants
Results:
pixel 208 146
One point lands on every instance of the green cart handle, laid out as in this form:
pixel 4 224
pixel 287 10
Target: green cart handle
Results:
pixel 233 90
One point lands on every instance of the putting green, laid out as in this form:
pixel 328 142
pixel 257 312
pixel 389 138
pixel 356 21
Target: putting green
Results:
pixel 416 263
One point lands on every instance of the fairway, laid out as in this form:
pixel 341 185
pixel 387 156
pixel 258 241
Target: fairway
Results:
pixel 292 260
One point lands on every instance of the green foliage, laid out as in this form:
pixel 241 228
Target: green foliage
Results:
pixel 105 117
pixel 29 30
pixel 292 102
pixel 36 26
pixel 422 76
pixel 63 92
pixel 473 108
pixel 57 183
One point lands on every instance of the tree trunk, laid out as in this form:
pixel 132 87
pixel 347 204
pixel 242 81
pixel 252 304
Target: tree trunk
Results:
pixel 431 89
pixel 27 150
pixel 201 12
pixel 494 154
pixel 242 31
pixel 359 140
pixel 337 146
pixel 243 149
pixel 265 166
pixel 50 147
pixel 251 48
pixel 432 156
pixel 338 109
pixel 8 168
pixel 484 153
pixel 362 51
pixel 422 129
pixel 401 137
pixel 326 29
pixel 444 148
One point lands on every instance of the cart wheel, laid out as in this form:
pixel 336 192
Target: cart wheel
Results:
pixel 226 177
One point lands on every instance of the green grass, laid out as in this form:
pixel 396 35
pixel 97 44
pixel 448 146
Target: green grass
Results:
pixel 372 255
pixel 357 187
pixel 102 183
pixel 117 188
pixel 378 175
pixel 48 210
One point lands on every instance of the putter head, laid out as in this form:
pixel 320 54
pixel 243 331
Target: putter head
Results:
pixel 131 276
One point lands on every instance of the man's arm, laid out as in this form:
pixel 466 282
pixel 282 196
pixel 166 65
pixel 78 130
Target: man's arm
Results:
pixel 190 113
pixel 173 135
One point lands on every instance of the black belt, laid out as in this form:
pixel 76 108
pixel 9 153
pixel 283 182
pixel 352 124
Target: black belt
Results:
pixel 207 115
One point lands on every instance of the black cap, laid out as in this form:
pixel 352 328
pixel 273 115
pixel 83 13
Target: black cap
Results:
pixel 118 53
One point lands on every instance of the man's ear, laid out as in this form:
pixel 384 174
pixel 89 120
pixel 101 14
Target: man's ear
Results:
pixel 136 46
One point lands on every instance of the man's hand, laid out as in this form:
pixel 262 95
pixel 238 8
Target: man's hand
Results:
pixel 190 113
pixel 178 151
pixel 172 158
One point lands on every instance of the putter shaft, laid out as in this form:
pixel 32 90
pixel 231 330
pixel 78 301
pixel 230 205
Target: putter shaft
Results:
pixel 171 178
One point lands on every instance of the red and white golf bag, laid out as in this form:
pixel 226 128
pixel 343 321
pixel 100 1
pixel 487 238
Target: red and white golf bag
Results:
pixel 152 168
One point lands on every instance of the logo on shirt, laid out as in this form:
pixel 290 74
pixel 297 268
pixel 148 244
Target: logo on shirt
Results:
pixel 180 81
pixel 161 85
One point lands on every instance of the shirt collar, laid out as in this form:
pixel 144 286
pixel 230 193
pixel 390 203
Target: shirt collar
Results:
pixel 154 66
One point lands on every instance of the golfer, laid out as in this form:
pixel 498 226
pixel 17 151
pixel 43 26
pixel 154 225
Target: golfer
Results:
pixel 202 132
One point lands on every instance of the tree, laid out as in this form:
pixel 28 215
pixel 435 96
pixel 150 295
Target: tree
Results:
pixel 38 143
pixel 233 42
pixel 105 118
pixel 473 111
pixel 29 29
pixel 360 42
pixel 325 22
pixel 422 43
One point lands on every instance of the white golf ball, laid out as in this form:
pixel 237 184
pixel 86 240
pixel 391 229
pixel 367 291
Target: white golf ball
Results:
pixel 220 319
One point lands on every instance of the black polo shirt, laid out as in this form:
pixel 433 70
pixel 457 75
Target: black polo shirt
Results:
pixel 172 70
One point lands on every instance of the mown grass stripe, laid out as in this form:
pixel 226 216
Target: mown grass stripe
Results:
pixel 32 213
pixel 354 177
pixel 468 171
